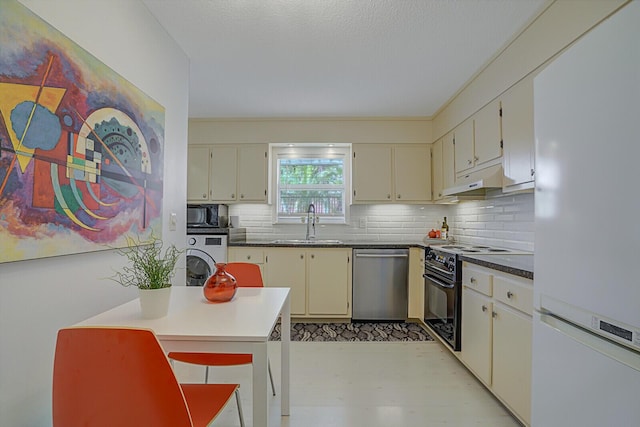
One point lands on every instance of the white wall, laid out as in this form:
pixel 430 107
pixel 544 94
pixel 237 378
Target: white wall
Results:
pixel 38 297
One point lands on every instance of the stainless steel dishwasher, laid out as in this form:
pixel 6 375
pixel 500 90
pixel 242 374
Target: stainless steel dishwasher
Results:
pixel 380 282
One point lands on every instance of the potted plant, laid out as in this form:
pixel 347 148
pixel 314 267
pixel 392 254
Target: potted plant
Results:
pixel 150 269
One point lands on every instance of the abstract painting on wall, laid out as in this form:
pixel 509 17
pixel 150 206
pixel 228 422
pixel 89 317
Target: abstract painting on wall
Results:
pixel 81 148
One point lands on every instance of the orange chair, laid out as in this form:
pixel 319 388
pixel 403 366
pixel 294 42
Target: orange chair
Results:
pixel 247 275
pixel 105 377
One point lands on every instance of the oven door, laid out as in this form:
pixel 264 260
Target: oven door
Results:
pixel 442 308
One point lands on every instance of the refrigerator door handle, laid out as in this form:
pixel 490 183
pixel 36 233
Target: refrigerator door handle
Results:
pixel 603 346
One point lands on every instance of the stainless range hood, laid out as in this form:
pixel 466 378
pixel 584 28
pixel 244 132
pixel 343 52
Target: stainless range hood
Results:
pixel 475 185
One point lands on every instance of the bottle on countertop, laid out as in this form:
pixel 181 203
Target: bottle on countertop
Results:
pixel 444 231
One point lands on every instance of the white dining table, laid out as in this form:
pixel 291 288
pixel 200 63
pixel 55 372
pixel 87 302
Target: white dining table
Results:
pixel 242 325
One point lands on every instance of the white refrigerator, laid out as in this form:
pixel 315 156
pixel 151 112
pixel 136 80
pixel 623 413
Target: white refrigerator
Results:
pixel 586 329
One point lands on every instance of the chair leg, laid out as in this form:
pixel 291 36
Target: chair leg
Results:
pixel 206 375
pixel 273 388
pixel 239 407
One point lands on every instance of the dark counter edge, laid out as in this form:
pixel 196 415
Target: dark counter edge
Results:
pixel 367 245
pixel 500 267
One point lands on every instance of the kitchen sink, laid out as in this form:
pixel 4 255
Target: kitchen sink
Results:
pixel 307 242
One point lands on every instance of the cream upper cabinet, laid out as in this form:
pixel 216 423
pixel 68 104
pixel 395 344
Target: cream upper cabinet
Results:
pixel 412 172
pixel 239 173
pixel 328 272
pixel 496 334
pixel 478 140
pixel 463 140
pixel 443 165
pixel 319 278
pixel 437 172
pixel 372 174
pixel 448 161
pixel 518 136
pixel 198 173
pixel 488 134
pixel 391 173
pixel 252 173
pixel 223 172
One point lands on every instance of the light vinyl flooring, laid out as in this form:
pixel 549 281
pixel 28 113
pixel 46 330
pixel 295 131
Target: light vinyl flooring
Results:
pixel 365 384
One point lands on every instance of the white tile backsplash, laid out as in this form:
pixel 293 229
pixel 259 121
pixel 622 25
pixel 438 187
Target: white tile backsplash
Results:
pixel 505 221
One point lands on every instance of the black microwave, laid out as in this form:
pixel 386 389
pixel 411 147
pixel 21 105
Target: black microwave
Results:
pixel 207 215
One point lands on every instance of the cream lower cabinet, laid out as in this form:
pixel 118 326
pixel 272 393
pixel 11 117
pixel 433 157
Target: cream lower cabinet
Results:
pixel 416 283
pixel 247 254
pixel 496 334
pixel 319 278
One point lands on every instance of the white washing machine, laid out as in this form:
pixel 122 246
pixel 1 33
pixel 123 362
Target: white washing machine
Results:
pixel 203 252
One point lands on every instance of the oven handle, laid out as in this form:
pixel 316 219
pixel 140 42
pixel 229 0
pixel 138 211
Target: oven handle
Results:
pixel 447 272
pixel 438 282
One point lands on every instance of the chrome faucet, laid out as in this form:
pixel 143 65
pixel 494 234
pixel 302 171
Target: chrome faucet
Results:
pixel 311 219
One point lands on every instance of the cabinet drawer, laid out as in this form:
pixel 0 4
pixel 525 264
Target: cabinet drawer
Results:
pixel 515 292
pixel 476 279
pixel 252 255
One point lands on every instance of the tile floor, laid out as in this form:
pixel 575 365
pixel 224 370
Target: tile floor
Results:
pixel 366 384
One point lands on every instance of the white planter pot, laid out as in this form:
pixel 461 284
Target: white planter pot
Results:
pixel 154 303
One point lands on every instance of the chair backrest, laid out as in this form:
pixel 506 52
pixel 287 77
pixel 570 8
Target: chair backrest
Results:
pixel 247 275
pixel 105 377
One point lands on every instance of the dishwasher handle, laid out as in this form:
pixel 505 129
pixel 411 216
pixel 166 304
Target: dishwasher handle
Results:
pixel 382 256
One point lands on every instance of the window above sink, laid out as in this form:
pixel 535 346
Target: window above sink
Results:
pixel 311 174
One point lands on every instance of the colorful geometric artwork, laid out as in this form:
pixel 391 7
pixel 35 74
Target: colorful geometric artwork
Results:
pixel 81 148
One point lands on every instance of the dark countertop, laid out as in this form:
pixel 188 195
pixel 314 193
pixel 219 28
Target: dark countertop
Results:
pixel 518 265
pixel 345 244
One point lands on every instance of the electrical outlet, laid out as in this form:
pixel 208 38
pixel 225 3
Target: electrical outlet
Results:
pixel 363 222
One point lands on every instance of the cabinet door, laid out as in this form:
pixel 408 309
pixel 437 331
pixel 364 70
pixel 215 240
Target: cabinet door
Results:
pixel 448 161
pixel 285 267
pixel 223 173
pixel 252 255
pixel 476 333
pixel 412 172
pixel 488 137
pixel 512 359
pixel 517 134
pixel 464 146
pixel 252 173
pixel 328 278
pixel 437 175
pixel 198 173
pixel 372 173
pixel 416 283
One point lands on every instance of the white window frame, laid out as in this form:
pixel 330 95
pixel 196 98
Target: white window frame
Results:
pixel 306 150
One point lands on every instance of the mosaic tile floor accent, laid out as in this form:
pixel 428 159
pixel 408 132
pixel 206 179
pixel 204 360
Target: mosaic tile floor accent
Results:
pixel 354 332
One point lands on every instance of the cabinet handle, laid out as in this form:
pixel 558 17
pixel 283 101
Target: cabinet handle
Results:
pixel 399 196
pixel 248 256
pixel 472 279
pixel 494 314
pixel 509 294
pixel 439 194
pixel 204 195
pixel 301 256
pixel 388 196
pixel 533 171
pixel 469 161
pixel 476 158
pixel 312 256
pixel 484 308
pixel 233 195
pixel 242 196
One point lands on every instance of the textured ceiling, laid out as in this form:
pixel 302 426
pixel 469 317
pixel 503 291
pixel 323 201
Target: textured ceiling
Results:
pixel 335 58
